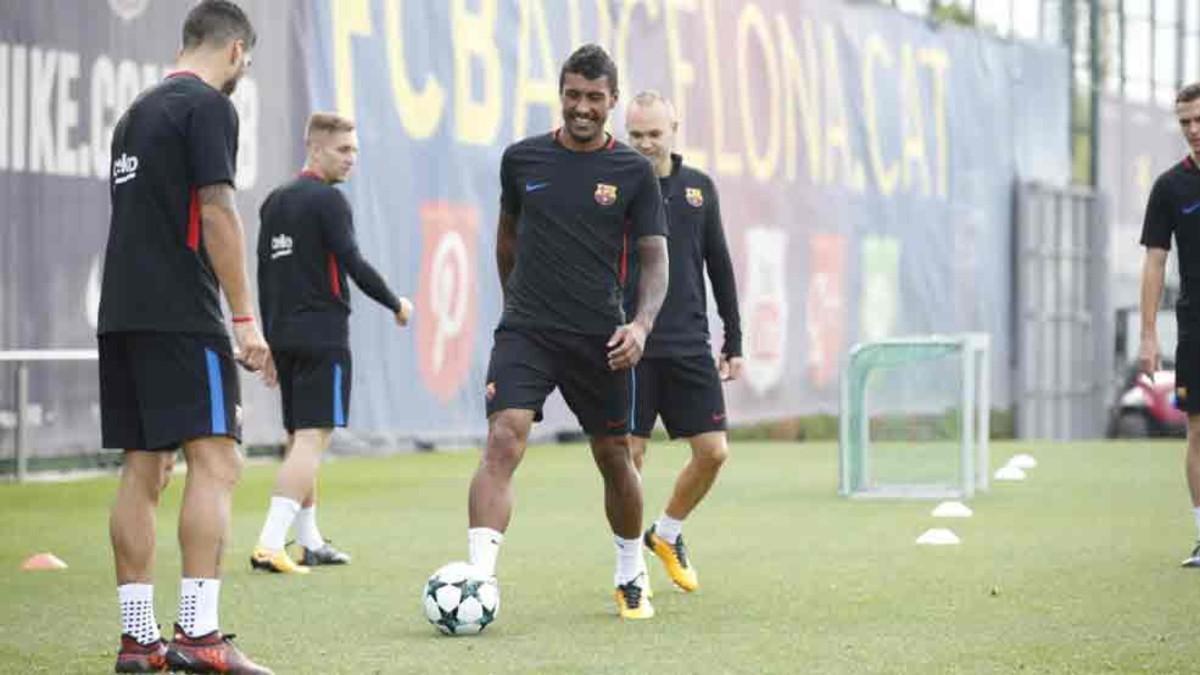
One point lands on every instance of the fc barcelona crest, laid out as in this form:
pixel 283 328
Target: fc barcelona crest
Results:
pixel 605 194
pixel 694 196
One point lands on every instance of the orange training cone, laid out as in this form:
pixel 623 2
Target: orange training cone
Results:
pixel 43 561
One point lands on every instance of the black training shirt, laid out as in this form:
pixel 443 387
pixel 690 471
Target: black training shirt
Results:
pixel 1174 208
pixel 306 249
pixel 578 214
pixel 175 138
pixel 697 239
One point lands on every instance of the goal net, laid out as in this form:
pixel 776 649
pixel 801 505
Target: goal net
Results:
pixel 914 418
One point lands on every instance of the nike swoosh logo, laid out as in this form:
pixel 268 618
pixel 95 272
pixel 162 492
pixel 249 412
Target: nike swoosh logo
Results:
pixel 1190 209
pixel 534 187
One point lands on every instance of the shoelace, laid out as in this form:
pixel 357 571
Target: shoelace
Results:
pixel 681 551
pixel 633 594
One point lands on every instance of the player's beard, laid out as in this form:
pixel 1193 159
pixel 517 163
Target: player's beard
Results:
pixel 597 128
pixel 231 84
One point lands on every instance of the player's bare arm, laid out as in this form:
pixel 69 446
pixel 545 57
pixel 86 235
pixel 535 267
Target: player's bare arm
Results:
pixel 628 341
pixel 224 241
pixel 1153 271
pixel 506 246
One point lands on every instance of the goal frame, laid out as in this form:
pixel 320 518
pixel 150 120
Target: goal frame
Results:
pixel 854 446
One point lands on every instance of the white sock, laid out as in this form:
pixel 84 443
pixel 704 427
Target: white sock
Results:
pixel 137 612
pixel 307 534
pixel 1196 515
pixel 279 519
pixel 483 547
pixel 629 559
pixel 198 600
pixel 668 528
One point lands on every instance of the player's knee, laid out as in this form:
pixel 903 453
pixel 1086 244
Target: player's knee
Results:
pixel 221 468
pixel 166 468
pixel 637 452
pixel 148 475
pixel 716 456
pixel 713 454
pixel 612 453
pixel 311 441
pixel 505 445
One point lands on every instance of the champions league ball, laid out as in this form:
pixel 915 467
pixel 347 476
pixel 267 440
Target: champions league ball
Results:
pixel 459 600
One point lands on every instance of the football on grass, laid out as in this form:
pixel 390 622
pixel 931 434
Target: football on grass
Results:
pixel 459 600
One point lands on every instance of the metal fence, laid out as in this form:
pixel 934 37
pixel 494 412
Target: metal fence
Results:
pixel 1063 354
pixel 22 359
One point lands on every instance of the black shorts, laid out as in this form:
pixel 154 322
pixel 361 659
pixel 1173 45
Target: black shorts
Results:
pixel 527 364
pixel 315 387
pixel 685 390
pixel 1187 371
pixel 158 390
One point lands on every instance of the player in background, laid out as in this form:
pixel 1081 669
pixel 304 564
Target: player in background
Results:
pixel 167 374
pixel 677 376
pixel 306 250
pixel 1174 210
pixel 572 204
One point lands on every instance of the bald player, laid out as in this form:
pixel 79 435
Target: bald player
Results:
pixel 678 378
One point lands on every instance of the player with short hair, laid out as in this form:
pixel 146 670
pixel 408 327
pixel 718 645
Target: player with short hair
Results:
pixel 306 250
pixel 677 377
pixel 1174 210
pixel 572 203
pixel 167 374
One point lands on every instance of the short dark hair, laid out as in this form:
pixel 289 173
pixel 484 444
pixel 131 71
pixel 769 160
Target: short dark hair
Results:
pixel 217 22
pixel 1189 93
pixel 592 62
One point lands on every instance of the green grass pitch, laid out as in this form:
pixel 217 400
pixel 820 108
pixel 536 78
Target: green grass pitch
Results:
pixel 1072 571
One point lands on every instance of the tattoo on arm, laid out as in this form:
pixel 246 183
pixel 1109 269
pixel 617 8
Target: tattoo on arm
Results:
pixel 652 284
pixel 218 194
pixel 224 241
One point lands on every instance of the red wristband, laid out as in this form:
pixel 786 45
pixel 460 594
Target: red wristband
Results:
pixel 243 319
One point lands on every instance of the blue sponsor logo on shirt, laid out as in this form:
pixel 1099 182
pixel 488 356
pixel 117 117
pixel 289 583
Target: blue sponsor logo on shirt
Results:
pixel 1191 208
pixel 534 187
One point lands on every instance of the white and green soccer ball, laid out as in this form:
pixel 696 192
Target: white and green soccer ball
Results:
pixel 460 600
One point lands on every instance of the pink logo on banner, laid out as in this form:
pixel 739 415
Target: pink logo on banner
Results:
pixel 825 306
pixel 447 300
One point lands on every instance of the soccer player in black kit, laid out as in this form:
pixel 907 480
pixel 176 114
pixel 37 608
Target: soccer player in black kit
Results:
pixel 167 374
pixel 677 377
pixel 1174 209
pixel 306 250
pixel 572 204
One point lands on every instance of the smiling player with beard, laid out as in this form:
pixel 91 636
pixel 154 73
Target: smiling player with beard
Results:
pixel 572 203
